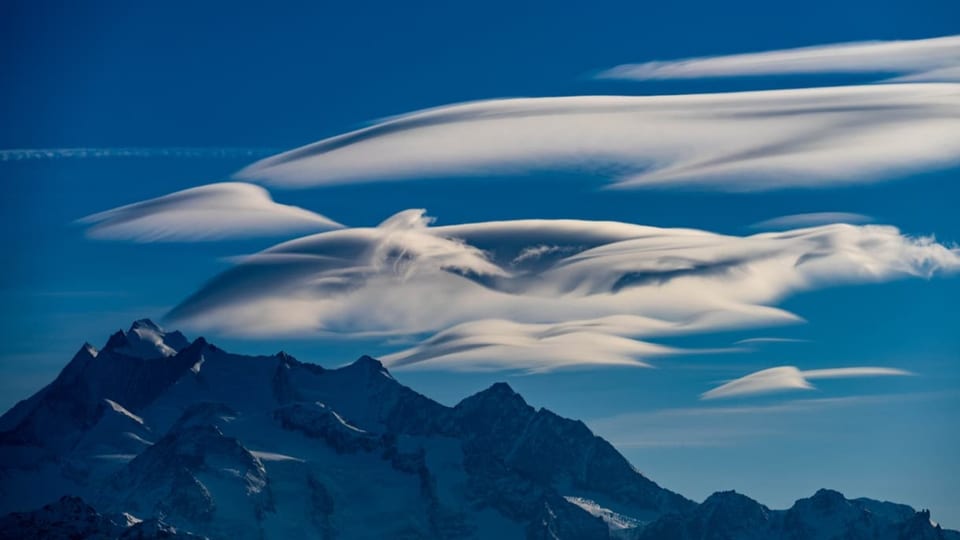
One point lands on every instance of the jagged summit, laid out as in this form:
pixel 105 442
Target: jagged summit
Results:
pixel 146 339
pixel 145 324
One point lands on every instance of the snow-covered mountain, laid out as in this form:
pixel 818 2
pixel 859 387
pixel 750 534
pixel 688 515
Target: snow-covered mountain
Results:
pixel 155 436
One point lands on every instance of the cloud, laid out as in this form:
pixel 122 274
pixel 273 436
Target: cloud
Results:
pixel 734 141
pixel 713 425
pixel 204 213
pixel 43 154
pixel 810 219
pixel 750 341
pixel 934 59
pixel 502 344
pixel 784 378
pixel 486 295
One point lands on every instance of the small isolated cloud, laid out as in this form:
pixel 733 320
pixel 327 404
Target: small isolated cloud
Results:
pixel 45 154
pixel 734 141
pixel 934 59
pixel 784 378
pixel 211 212
pixel 811 219
pixel 488 295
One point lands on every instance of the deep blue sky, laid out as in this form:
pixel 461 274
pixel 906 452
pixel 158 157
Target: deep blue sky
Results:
pixel 152 74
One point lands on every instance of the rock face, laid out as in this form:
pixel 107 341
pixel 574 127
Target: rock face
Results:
pixel 170 438
pixel 70 518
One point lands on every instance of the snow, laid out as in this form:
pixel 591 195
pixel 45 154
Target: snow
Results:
pixel 342 421
pixel 147 340
pixel 120 409
pixel 273 456
pixel 613 519
pixel 148 343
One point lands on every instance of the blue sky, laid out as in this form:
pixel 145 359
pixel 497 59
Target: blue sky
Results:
pixel 224 76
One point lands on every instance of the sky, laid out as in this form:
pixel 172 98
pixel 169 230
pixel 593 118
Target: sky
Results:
pixel 775 364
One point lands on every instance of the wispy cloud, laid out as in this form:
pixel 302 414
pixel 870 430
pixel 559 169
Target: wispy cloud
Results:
pixel 785 378
pixel 750 341
pixel 711 425
pixel 811 219
pixel 210 212
pixel 733 141
pixel 43 154
pixel 934 59
pixel 599 296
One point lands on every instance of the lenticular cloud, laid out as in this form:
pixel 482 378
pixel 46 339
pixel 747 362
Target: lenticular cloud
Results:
pixel 542 294
pixel 204 213
pixel 932 59
pixel 735 141
pixel 786 378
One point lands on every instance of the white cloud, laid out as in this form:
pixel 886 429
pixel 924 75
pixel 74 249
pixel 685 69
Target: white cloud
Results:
pixel 784 378
pixel 502 344
pixel 934 59
pixel 734 141
pixel 210 212
pixel 600 295
pixel 811 219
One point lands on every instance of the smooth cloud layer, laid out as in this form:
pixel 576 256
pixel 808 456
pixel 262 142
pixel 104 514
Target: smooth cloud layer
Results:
pixel 734 141
pixel 935 59
pixel 211 212
pixel 541 294
pixel 785 378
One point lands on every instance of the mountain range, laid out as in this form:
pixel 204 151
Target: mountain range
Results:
pixel 157 436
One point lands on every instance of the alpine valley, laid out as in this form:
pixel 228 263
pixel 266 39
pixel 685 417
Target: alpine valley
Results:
pixel 155 436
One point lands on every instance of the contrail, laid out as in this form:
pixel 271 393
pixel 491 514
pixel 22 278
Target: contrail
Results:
pixel 37 154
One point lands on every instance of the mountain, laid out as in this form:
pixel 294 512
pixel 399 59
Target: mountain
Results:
pixel 156 436
pixel 827 515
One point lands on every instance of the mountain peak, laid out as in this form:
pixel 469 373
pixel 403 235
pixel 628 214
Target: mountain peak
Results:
pixel 147 340
pixel 828 497
pixel 497 399
pixel 89 349
pixel 729 498
pixel 368 362
pixel 145 324
pixel 368 365
pixel 117 340
pixel 498 391
pixel 501 388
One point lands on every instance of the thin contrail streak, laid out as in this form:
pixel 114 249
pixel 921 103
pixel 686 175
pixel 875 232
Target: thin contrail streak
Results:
pixel 39 154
